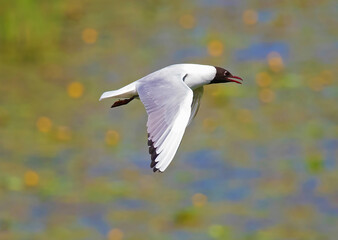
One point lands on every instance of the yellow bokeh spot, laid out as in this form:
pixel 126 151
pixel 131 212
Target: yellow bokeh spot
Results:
pixel 215 48
pixel 275 61
pixel 266 95
pixel 209 124
pixel 250 17
pixel 44 124
pixel 187 21
pixel 324 79
pixel 89 35
pixel 31 178
pixel 199 200
pixel 112 137
pixel 63 133
pixel 75 89
pixel 115 234
pixel 327 76
pixel 244 115
pixel 263 79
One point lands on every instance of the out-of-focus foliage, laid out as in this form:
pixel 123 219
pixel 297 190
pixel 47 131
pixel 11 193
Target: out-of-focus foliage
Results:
pixel 259 161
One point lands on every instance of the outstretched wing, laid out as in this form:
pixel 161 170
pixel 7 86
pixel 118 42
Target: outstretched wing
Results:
pixel 167 101
pixel 198 93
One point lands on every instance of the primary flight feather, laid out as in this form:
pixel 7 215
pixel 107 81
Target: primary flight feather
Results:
pixel 171 97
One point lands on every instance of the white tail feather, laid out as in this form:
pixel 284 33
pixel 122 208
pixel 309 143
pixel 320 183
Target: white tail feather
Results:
pixel 125 92
pixel 108 94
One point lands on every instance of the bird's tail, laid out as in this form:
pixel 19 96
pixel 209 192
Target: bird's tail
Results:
pixel 108 94
pixel 125 92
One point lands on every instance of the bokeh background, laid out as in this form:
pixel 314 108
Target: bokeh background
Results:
pixel 258 162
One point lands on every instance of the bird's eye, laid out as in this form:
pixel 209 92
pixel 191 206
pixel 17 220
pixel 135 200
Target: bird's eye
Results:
pixel 227 74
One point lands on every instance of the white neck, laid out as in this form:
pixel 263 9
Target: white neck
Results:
pixel 198 75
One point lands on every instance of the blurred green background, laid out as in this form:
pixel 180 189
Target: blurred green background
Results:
pixel 258 162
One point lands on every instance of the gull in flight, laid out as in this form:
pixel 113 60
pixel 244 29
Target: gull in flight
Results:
pixel 171 97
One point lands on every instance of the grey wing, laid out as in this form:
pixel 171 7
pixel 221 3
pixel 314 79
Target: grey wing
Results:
pixel 168 104
pixel 198 93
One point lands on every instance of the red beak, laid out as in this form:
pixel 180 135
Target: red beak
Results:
pixel 235 79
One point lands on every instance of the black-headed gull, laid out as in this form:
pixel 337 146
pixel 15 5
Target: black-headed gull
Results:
pixel 171 97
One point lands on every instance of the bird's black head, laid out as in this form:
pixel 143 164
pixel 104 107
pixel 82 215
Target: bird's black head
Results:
pixel 224 76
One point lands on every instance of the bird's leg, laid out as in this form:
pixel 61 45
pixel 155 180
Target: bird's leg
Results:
pixel 122 102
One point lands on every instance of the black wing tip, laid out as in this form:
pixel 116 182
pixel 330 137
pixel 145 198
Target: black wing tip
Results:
pixel 152 150
pixel 153 166
pixel 153 154
pixel 157 170
pixel 152 163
